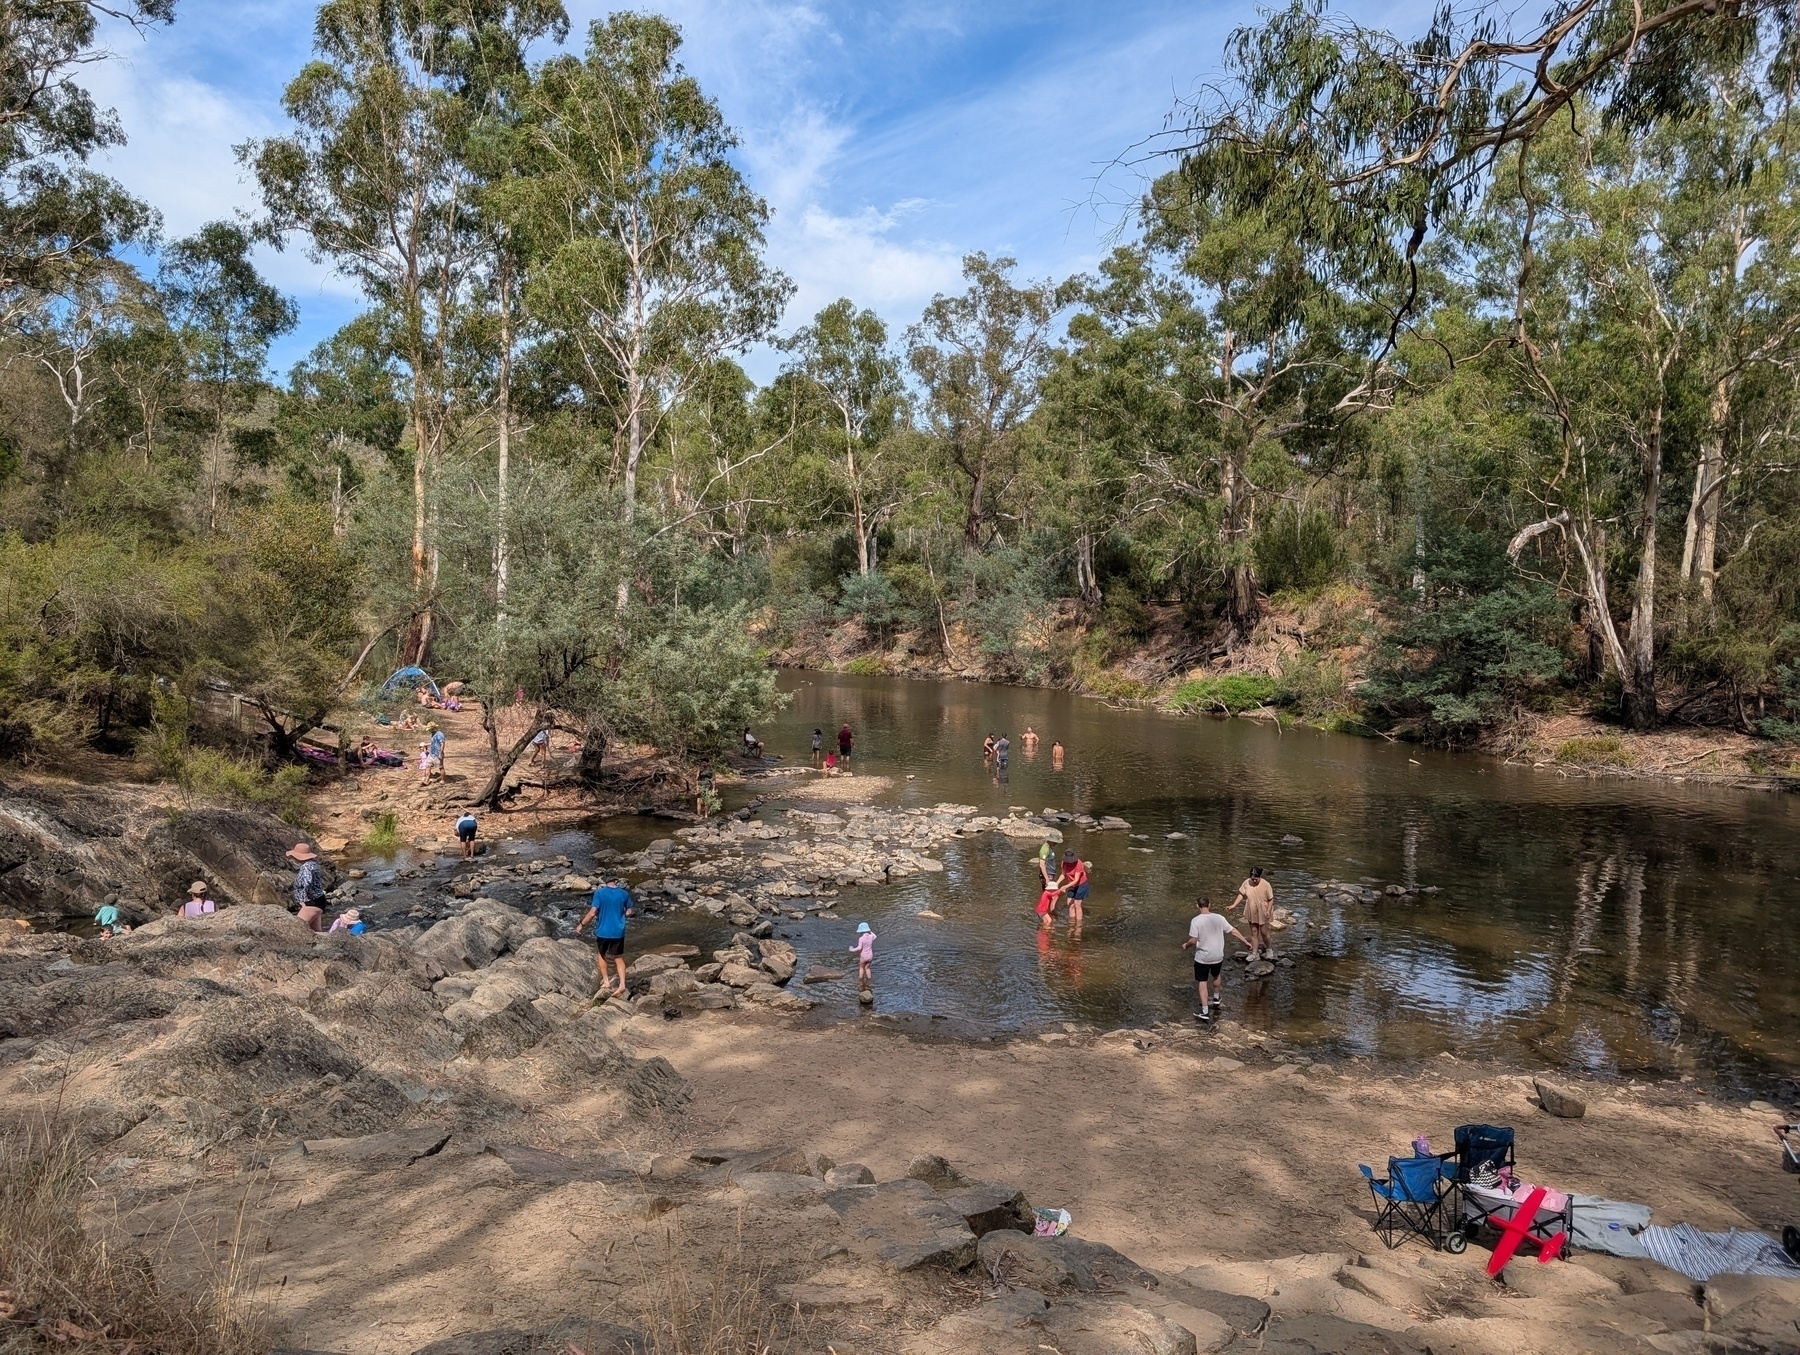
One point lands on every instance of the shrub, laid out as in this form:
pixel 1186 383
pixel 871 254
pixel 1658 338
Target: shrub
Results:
pixel 1296 550
pixel 1231 693
pixel 1318 688
pixel 1597 749
pixel 873 600
pixel 867 665
pixel 384 833
pixel 1115 686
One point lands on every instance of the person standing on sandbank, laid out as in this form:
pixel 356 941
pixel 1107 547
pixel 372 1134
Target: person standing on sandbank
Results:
pixel 1257 896
pixel 1206 937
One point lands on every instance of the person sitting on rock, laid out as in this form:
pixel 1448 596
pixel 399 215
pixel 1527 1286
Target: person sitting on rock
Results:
pixel 197 903
pixel 107 915
pixel 350 920
pixel 309 885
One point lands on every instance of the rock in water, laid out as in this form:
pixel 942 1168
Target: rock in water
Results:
pixel 1259 969
pixel 1289 840
pixel 1564 1105
pixel 866 997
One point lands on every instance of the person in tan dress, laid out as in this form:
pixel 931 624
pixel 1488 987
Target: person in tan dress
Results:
pixel 1257 896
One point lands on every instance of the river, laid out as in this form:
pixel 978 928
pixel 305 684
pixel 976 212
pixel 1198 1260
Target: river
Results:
pixel 1610 926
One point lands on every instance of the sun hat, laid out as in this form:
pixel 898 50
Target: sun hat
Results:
pixel 302 851
pixel 352 914
pixel 861 927
pixel 198 888
pixel 1069 855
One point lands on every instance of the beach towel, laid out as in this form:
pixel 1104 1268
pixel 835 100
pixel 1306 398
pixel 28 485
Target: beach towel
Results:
pixel 1700 1256
pixel 1608 1225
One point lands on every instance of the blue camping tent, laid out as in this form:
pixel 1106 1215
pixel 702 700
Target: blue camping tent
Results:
pixel 411 677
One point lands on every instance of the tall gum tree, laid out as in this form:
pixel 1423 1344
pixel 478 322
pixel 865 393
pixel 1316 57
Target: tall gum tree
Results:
pixel 851 385
pixel 645 240
pixel 980 357
pixel 375 176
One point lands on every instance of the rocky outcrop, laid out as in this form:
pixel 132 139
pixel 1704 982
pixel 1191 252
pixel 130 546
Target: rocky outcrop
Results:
pixel 65 849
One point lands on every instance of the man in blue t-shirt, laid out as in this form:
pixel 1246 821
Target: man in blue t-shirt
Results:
pixel 608 911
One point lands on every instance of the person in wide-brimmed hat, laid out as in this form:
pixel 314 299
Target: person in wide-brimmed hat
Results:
pixel 347 921
pixel 197 903
pixel 309 885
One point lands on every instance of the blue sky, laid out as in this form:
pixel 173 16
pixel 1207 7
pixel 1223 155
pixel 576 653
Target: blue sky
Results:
pixel 890 139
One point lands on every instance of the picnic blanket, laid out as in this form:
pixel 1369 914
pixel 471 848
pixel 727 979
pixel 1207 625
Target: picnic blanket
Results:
pixel 1599 1224
pixel 1700 1256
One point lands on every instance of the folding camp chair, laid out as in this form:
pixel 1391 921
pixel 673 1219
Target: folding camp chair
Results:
pixel 1416 1199
pixel 1480 1146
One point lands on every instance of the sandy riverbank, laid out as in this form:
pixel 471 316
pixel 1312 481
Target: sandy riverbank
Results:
pixel 408 1168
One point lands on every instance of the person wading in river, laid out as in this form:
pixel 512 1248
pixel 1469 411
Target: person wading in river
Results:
pixel 1257 896
pixel 1206 937
pixel 846 741
pixel 1073 881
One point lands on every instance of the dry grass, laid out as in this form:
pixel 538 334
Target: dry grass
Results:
pixel 724 1311
pixel 63 1290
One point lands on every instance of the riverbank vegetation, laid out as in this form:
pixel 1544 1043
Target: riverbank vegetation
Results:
pixel 1433 387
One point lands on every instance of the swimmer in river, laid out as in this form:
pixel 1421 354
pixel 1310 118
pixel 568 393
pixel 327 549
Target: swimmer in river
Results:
pixel 1056 755
pixel 1029 737
pixel 987 747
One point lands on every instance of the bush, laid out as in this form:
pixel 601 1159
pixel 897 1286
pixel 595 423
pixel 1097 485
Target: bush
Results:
pixel 868 665
pixel 871 599
pixel 1115 686
pixel 1296 550
pixel 1231 693
pixel 1599 749
pixel 384 833
pixel 204 773
pixel 1318 688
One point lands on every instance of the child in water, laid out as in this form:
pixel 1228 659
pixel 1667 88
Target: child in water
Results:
pixel 865 952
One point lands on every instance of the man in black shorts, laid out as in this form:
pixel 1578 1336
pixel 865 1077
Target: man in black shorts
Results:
pixel 1206 937
pixel 610 907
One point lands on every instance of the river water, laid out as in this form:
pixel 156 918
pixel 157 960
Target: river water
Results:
pixel 1609 926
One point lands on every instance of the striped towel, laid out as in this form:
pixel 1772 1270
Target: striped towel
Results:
pixel 1700 1256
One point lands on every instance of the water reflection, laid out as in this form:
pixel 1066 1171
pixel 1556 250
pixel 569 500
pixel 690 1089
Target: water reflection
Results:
pixel 1569 925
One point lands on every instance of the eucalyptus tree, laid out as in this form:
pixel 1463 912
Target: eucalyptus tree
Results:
pixel 850 386
pixel 376 176
pixel 55 214
pixel 980 357
pixel 224 316
pixel 644 238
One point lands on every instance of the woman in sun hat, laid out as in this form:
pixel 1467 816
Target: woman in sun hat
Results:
pixel 197 903
pixel 309 885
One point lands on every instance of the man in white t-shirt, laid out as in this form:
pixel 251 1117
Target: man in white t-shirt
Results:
pixel 1206 937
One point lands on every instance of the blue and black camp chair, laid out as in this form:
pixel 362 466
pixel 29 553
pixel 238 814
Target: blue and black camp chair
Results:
pixel 1480 1148
pixel 1418 1197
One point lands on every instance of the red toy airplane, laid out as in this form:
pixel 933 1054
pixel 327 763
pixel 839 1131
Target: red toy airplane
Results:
pixel 1517 1229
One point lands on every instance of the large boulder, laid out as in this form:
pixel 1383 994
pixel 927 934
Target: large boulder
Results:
pixel 67 848
pixel 986 1207
pixel 479 935
pixel 903 1225
pixel 1757 1313
pixel 778 960
pixel 1565 1105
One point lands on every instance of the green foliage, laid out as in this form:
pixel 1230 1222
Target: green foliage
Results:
pixel 1318 689
pixel 1470 643
pixel 384 833
pixel 1229 693
pixel 873 600
pixel 867 665
pixel 1297 550
pixel 694 686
